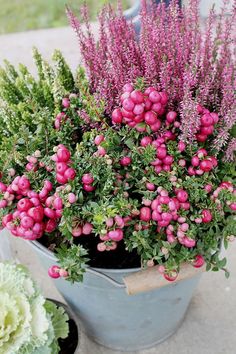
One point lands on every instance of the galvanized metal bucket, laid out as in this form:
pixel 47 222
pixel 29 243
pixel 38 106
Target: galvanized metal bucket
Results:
pixel 112 318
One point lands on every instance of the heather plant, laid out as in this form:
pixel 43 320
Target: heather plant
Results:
pixel 175 53
pixel 141 165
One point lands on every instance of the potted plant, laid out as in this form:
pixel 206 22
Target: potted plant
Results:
pixel 127 168
pixel 29 323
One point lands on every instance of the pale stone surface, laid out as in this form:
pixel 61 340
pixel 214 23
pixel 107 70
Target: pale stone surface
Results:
pixel 210 324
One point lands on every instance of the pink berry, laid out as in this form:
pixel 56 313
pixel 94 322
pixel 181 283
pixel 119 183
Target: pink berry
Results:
pixel 168 160
pixel 70 174
pixel 182 162
pixel 215 117
pixel 58 203
pixel 150 186
pixel 99 138
pixel 201 138
pixel 164 97
pixel 195 161
pixel 207 130
pixel 202 153
pixel 184 227
pixel 214 161
pixel 128 104
pixel 158 169
pixel 145 214
pixel 208 188
pixel 61 167
pixel 72 198
pixel 87 178
pixel 88 188
pixel 155 127
pixel 182 195
pixel 161 152
pixel 125 161
pixel 63 155
pixel 61 179
pixel 101 151
pixel 27 222
pixel 150 118
pixel 50 226
pixel 53 272
pixel 63 273
pixel 77 231
pixel 24 204
pixel 171 116
pixel 185 206
pixel 157 108
pixel 116 235
pixel 189 242
pixel 24 183
pixel 154 97
pixel 207 120
pixel 206 165
pixel 49 213
pixel 3 187
pixel 233 206
pixel 181 146
pixel 101 247
pixel 48 185
pixel 206 216
pixel 87 228
pixel 171 277
pixel 166 217
pixel 128 88
pixel 66 102
pixel 119 221
pixel 138 118
pixel 3 204
pixel 137 96
pixel 147 140
pixel 198 261
pixel 36 213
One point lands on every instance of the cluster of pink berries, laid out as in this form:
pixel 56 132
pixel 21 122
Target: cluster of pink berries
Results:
pixel 64 172
pixel 208 120
pixel 87 180
pixel 111 237
pixel 35 213
pixel 165 209
pixel 56 272
pixel 225 185
pixel 28 220
pixel 80 230
pixel 140 109
pixel 61 117
pixel 201 163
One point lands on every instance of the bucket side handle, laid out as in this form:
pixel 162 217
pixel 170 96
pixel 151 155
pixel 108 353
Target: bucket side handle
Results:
pixel 106 277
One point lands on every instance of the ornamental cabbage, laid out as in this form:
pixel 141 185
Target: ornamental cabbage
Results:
pixel 28 323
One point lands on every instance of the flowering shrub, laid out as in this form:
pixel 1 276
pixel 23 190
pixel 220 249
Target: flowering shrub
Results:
pixel 29 324
pixel 136 165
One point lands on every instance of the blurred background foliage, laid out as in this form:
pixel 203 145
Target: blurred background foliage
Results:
pixel 23 15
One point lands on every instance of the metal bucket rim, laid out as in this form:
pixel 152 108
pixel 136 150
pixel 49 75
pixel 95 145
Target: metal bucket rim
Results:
pixel 52 256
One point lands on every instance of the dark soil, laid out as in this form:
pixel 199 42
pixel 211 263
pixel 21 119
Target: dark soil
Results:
pixel 118 259
pixel 69 344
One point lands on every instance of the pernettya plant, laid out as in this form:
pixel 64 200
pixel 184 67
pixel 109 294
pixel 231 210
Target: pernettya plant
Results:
pixel 138 163
pixel 28 323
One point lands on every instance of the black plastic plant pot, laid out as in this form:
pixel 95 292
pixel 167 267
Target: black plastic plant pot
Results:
pixel 70 344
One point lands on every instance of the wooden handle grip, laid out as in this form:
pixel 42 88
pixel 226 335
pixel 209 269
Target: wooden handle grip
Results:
pixel 150 279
